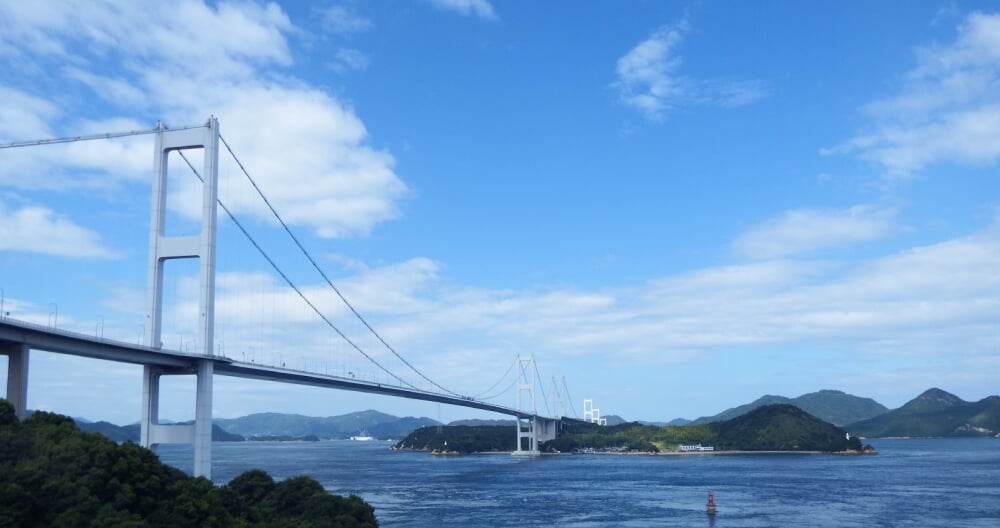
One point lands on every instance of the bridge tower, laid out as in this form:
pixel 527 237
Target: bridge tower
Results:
pixel 527 441
pixel 163 248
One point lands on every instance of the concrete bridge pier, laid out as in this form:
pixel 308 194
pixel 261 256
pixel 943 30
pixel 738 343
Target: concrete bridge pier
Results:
pixel 527 442
pixel 533 431
pixel 199 434
pixel 17 376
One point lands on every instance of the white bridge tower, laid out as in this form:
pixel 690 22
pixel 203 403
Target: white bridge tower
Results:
pixel 527 441
pixel 161 249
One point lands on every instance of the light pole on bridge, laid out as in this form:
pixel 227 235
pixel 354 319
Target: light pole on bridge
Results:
pixel 54 321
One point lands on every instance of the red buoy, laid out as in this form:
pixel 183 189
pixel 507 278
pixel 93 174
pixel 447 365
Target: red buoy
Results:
pixel 710 508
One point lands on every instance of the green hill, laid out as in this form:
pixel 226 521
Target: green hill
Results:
pixel 775 427
pixel 779 427
pixel 52 474
pixel 935 413
pixel 461 439
pixel 832 406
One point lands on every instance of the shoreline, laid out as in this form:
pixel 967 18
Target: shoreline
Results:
pixel 435 452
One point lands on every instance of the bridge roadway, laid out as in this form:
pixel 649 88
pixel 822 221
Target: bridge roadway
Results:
pixel 40 337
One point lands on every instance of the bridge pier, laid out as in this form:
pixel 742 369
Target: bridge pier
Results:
pixel 17 376
pixel 527 442
pixel 199 434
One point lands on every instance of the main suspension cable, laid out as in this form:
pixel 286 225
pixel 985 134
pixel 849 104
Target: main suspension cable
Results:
pixel 541 387
pixel 322 273
pixel 501 393
pixel 74 139
pixel 499 381
pixel 292 285
pixel 570 398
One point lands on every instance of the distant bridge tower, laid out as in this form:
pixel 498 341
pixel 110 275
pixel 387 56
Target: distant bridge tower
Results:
pixel 558 399
pixel 161 249
pixel 592 414
pixel 527 442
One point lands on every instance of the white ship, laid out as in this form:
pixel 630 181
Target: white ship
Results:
pixel 363 436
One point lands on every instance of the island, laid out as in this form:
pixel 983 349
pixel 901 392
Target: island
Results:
pixel 771 428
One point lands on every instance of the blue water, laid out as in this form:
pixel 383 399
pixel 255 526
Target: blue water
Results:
pixel 919 483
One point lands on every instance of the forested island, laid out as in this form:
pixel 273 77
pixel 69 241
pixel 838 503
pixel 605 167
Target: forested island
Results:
pixel 53 474
pixel 778 427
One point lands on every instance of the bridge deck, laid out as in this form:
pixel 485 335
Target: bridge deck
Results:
pixel 40 337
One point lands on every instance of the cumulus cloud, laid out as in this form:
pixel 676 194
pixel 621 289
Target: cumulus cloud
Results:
pixel 917 301
pixel 38 229
pixel 153 61
pixel 648 78
pixel 809 230
pixel 948 109
pixel 480 8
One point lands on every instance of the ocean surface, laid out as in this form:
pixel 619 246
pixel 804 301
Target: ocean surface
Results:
pixel 911 482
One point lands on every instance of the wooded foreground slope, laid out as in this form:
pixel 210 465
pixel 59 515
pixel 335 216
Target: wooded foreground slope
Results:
pixel 52 474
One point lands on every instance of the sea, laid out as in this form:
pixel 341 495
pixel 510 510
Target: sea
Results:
pixel 910 482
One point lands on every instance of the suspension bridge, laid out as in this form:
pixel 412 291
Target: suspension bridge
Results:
pixel 19 337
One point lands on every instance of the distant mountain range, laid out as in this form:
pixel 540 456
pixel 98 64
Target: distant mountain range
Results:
pixel 836 407
pixel 932 414
pixel 278 425
pixel 377 424
pixel 130 433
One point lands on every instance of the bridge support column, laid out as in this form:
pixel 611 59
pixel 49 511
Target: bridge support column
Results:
pixel 203 420
pixel 153 433
pixel 527 441
pixel 17 377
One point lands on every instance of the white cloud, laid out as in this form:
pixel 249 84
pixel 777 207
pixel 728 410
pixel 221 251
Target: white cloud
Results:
pixel 645 74
pixel 39 230
pixel 928 300
pixel 346 59
pixel 809 230
pixel 24 116
pixel 947 111
pixel 648 79
pixel 183 62
pixel 342 19
pixel 480 8
pixel 310 158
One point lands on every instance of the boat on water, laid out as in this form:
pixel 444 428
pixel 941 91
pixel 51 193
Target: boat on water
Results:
pixel 363 436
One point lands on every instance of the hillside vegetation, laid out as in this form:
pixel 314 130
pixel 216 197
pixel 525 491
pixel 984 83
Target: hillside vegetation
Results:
pixel 935 413
pixel 52 474
pixel 832 406
pixel 461 439
pixel 779 427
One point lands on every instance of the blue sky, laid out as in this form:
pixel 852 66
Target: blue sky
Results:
pixel 678 206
